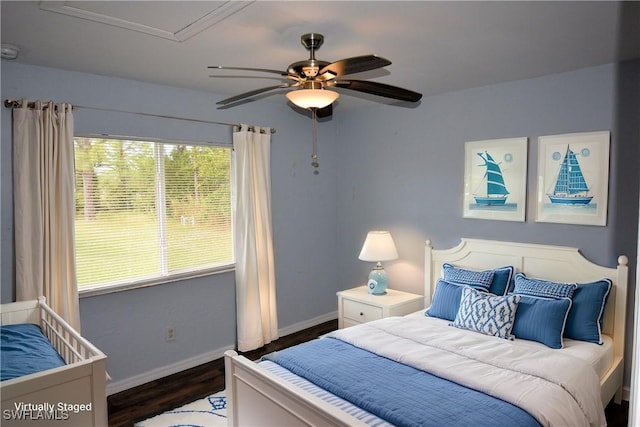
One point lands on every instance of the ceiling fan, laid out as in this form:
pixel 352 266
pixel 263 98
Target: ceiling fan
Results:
pixel 311 78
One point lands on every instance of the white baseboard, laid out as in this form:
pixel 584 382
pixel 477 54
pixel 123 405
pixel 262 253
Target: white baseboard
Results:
pixel 626 392
pixel 192 362
pixel 157 373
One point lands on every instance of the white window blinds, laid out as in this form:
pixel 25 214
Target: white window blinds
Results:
pixel 150 210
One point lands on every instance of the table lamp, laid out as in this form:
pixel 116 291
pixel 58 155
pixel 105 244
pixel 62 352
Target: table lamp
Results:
pixel 378 247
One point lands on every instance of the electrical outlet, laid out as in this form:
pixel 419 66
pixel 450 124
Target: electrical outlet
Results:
pixel 170 334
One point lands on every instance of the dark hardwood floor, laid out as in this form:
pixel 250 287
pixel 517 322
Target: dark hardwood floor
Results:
pixel 617 415
pixel 153 398
pixel 156 397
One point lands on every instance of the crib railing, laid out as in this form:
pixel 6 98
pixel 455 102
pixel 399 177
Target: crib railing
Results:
pixel 71 346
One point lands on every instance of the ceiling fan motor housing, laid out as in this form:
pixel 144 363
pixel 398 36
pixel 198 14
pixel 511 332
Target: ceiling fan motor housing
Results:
pixel 310 67
pixel 312 41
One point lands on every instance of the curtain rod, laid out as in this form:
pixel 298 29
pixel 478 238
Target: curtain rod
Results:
pixel 17 103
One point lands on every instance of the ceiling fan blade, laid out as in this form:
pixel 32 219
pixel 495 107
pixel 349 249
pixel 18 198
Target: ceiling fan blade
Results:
pixel 324 112
pixel 251 93
pixel 376 88
pixel 262 70
pixel 356 64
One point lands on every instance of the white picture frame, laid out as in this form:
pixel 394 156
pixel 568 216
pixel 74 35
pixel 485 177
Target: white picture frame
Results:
pixel 506 160
pixel 585 200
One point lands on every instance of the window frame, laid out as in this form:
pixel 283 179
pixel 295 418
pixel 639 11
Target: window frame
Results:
pixel 126 285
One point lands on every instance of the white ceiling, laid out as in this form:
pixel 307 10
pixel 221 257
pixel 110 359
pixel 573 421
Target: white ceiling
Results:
pixel 435 47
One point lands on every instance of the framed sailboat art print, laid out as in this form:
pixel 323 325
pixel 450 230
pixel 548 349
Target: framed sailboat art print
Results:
pixel 573 178
pixel 495 179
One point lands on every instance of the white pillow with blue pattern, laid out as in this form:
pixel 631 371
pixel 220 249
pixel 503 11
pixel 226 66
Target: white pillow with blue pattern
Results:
pixel 487 313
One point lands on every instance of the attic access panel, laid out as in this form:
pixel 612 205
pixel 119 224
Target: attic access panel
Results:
pixel 168 20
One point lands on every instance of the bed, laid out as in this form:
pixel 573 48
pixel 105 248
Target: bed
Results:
pixel 71 394
pixel 582 383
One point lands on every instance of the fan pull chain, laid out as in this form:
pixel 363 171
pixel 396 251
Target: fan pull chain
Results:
pixel 314 130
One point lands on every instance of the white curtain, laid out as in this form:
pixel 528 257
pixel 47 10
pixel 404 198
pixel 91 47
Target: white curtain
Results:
pixel 43 182
pixel 253 240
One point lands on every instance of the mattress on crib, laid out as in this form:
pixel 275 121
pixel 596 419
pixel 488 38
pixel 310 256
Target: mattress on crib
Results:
pixel 25 350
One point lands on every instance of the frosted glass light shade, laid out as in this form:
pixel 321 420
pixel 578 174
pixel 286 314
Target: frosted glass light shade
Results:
pixel 312 98
pixel 378 246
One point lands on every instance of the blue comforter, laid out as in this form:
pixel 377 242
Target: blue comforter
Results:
pixel 25 350
pixel 397 393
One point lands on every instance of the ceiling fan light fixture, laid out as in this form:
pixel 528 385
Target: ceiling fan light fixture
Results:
pixel 312 98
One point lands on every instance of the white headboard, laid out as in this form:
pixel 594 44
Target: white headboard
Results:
pixel 557 263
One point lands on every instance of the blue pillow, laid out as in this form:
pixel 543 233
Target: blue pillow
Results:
pixel 587 312
pixel 461 276
pixel 542 288
pixel 487 313
pixel 542 320
pixel 446 301
pixel 502 280
pixel 499 285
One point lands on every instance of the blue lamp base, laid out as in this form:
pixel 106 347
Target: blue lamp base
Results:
pixel 378 280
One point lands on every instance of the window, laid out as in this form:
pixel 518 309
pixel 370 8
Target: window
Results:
pixel 150 211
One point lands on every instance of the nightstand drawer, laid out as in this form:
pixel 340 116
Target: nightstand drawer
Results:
pixel 357 305
pixel 361 312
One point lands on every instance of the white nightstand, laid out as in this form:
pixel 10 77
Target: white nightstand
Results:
pixel 358 306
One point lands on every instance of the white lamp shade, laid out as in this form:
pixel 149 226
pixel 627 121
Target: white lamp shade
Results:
pixel 378 246
pixel 312 98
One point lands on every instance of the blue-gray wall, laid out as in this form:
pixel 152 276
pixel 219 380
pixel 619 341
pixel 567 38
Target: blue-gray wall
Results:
pixel 382 166
pixel 402 169
pixel 129 326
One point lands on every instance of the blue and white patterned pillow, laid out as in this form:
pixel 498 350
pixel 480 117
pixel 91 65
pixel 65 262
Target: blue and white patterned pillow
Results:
pixel 542 288
pixel 487 313
pixel 461 276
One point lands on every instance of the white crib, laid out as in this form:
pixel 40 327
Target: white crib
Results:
pixel 73 394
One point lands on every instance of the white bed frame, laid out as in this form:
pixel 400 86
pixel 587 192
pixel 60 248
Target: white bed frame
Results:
pixel 258 397
pixel 81 381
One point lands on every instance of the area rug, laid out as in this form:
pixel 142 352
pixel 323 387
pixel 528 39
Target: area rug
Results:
pixel 208 412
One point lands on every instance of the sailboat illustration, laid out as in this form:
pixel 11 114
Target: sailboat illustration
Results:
pixel 496 192
pixel 571 187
